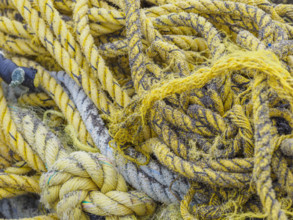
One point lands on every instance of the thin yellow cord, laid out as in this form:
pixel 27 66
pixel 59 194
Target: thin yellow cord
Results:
pixel 80 146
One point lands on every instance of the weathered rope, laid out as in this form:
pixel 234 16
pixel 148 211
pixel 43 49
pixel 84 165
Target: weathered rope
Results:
pixel 96 174
pixel 145 178
pixel 188 102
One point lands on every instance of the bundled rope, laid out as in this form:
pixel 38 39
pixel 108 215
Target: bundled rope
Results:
pixel 148 103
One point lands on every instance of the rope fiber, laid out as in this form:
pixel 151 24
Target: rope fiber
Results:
pixel 148 109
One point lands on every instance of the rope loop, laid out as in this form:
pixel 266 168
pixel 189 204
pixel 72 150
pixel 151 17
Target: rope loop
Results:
pixel 87 182
pixel 148 103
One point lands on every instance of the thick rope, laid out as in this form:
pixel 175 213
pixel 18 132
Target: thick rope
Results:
pixel 91 180
pixel 188 102
pixel 145 179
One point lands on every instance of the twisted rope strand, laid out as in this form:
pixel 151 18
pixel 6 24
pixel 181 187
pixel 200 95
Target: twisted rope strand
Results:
pixel 178 97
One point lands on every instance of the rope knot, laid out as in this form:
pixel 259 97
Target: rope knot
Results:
pixel 88 182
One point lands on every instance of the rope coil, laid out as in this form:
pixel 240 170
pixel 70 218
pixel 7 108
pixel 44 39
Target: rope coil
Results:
pixel 146 103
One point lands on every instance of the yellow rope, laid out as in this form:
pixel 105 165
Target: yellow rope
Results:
pixel 15 139
pixel 7 156
pixel 45 217
pixel 195 94
pixel 40 99
pixel 61 99
pixel 94 187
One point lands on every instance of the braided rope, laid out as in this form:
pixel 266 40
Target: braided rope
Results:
pixel 104 75
pixel 188 102
pixel 15 139
pixel 264 151
pixel 40 99
pixel 111 185
pixel 90 177
pixel 60 97
pixel 146 178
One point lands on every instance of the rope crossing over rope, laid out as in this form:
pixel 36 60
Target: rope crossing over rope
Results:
pixel 117 107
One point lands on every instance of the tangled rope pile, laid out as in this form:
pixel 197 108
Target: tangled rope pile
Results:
pixel 147 103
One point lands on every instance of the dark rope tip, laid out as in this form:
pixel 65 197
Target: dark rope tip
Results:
pixel 15 75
